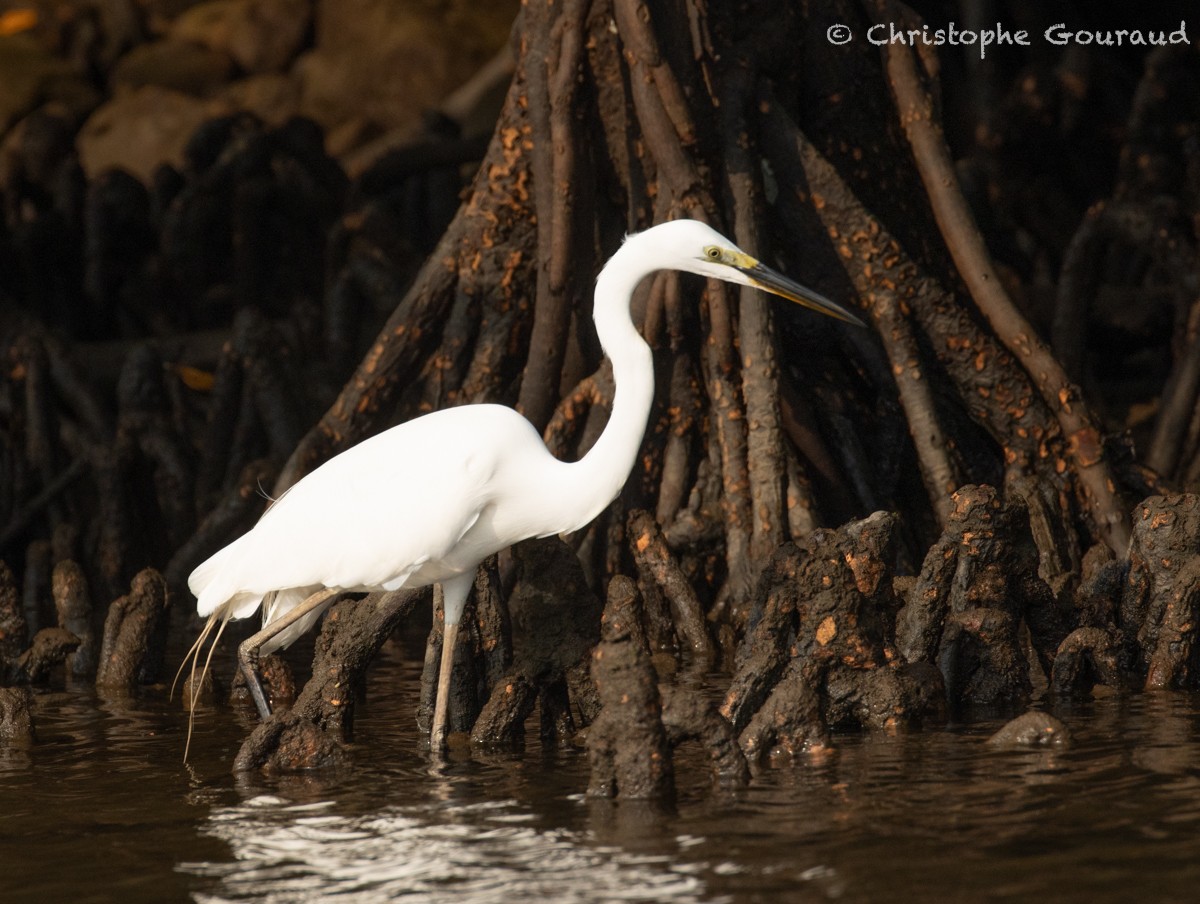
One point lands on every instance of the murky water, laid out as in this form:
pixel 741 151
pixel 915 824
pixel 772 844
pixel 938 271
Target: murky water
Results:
pixel 103 809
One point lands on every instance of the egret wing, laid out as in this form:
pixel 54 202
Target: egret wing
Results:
pixel 370 516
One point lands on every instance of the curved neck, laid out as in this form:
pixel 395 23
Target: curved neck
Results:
pixel 598 477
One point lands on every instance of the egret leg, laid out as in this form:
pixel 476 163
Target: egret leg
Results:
pixel 437 738
pixel 454 599
pixel 248 649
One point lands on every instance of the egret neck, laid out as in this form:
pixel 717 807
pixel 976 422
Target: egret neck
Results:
pixel 597 478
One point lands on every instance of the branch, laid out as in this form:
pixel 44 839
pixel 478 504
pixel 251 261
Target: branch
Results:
pixel 970 254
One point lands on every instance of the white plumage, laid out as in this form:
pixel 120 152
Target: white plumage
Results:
pixel 427 501
pixel 328 529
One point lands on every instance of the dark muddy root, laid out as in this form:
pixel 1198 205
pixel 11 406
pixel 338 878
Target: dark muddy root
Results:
pixel 688 716
pixel 627 744
pixel 820 654
pixel 964 612
pixel 278 683
pixel 1089 656
pixel 1098 598
pixel 1160 605
pixel 659 574
pixel 905 693
pixel 14 631
pixel 16 716
pixel 310 735
pixel 131 651
pixel 766 425
pixel 50 648
pixel 288 742
pixel 789 719
pixel 73 605
pixel 203 687
pixel 555 619
pixel 501 722
pixel 639 722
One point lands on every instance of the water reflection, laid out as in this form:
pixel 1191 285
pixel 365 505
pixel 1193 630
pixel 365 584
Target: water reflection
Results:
pixel 102 808
pixel 479 852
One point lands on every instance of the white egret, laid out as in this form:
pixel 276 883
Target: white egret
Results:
pixel 425 502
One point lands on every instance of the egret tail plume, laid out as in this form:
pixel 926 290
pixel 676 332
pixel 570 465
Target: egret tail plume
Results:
pixel 218 619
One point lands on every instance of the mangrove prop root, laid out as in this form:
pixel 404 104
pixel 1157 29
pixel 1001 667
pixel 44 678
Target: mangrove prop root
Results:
pixel 14 631
pixel 686 715
pixel 767 424
pixel 627 745
pixel 501 722
pixel 288 742
pixel 821 654
pixel 552 631
pixel 970 254
pixel 656 564
pixel 311 734
pixel 1085 658
pixel 129 653
pixel 277 680
pixel 73 603
pixel 1161 602
pixel 16 716
pixel 352 632
pixel 789 718
pixel 50 648
pixel 976 585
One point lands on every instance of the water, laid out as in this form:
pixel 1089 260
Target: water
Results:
pixel 102 809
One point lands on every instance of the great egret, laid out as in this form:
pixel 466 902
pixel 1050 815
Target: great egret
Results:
pixel 425 502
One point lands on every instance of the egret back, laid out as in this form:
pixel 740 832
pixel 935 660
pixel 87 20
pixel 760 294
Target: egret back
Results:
pixel 397 507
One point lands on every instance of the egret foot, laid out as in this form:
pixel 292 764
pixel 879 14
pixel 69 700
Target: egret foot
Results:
pixel 437 737
pixel 248 649
pixel 248 663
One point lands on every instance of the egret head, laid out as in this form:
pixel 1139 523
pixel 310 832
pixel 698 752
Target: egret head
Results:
pixel 697 248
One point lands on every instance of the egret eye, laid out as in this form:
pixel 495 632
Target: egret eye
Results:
pixel 713 252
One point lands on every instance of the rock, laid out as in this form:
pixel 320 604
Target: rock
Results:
pixel 143 129
pixel 259 35
pixel 31 75
pixel 37 157
pixel 272 98
pixel 1034 729
pixel 176 65
pixel 387 62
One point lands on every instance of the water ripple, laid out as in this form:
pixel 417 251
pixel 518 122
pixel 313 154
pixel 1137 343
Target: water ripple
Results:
pixel 478 855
